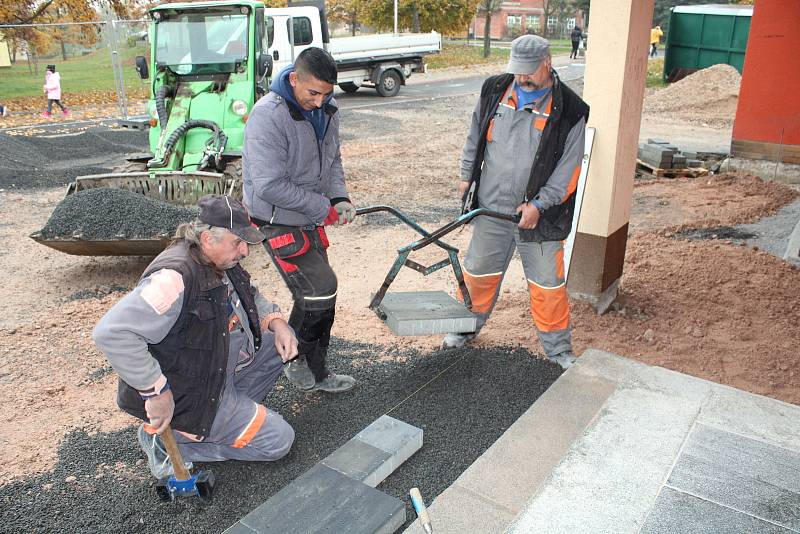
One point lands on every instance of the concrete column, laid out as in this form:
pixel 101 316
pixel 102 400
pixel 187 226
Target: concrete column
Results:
pixel 616 67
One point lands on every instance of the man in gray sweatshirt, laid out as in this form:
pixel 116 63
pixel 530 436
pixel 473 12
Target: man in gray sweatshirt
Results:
pixel 294 187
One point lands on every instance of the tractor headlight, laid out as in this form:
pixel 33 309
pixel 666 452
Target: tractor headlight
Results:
pixel 239 107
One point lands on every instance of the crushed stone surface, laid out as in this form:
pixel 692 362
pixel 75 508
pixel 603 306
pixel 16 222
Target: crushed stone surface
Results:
pixel 104 213
pixel 707 97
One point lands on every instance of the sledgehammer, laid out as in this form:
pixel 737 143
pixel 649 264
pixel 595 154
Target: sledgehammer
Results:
pixel 183 483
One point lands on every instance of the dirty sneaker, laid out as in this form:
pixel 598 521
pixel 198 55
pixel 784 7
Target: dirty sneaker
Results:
pixel 334 383
pixel 299 374
pixel 456 341
pixel 157 458
pixel 564 359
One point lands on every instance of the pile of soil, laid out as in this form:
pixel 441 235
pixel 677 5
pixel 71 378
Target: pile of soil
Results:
pixel 707 97
pixel 105 213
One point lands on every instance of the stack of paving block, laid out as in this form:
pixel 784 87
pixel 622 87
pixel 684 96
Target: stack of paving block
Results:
pixel 660 154
pixel 337 494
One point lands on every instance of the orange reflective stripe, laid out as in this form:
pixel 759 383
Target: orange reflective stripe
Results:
pixel 252 428
pixel 482 290
pixel 549 307
pixel 573 183
pixel 489 132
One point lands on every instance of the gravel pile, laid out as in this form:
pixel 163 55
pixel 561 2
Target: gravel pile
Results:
pixel 707 97
pixel 472 398
pixel 37 161
pixel 105 213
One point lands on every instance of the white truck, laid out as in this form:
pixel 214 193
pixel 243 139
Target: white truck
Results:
pixel 382 61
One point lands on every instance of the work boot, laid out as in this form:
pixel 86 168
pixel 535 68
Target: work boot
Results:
pixel 564 359
pixel 334 383
pixel 299 374
pixel 157 458
pixel 456 341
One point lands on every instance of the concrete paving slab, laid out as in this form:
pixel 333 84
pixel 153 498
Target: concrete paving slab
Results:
pixel 679 512
pixel 615 471
pixel 751 415
pixel 459 511
pixel 323 500
pixel 393 436
pixel 417 313
pixel 522 459
pixel 360 461
pixel 238 528
pixel 741 473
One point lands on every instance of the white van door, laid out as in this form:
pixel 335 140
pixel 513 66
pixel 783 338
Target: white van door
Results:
pixel 290 31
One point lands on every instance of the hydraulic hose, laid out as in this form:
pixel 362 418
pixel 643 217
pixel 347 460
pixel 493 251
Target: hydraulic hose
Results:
pixel 220 139
pixel 163 92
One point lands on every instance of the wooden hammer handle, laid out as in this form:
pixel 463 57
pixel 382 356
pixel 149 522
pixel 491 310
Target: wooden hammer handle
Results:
pixel 181 473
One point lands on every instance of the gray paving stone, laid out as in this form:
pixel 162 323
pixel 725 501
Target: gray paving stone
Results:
pixel 417 313
pixel 323 500
pixel 361 461
pixel 238 528
pixel 393 436
pixel 679 512
pixel 753 415
pixel 616 469
pixel 755 477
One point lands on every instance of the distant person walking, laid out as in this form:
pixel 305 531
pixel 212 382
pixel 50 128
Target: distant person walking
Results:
pixel 3 110
pixel 655 37
pixel 52 88
pixel 575 36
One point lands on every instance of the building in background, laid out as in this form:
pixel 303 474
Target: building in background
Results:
pixel 527 16
pixel 5 57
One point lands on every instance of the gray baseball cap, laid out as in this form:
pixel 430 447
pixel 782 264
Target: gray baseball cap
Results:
pixel 527 53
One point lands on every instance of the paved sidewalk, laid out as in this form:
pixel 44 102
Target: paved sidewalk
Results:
pixel 620 447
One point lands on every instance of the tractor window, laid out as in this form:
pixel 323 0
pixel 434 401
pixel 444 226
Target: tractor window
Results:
pixel 186 40
pixel 302 30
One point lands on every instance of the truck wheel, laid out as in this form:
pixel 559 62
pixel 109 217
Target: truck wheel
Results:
pixel 233 178
pixel 130 166
pixel 389 84
pixel 348 87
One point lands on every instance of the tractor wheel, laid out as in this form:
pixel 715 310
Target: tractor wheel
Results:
pixel 233 177
pixel 348 87
pixel 130 166
pixel 389 84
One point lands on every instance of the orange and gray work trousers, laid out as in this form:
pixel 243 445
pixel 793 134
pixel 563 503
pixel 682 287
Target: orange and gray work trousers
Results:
pixel 300 254
pixel 490 251
pixel 244 429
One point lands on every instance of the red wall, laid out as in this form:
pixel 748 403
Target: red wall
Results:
pixel 769 97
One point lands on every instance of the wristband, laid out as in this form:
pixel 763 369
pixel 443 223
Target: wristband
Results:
pixel 145 395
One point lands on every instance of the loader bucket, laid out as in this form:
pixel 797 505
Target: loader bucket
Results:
pixel 173 187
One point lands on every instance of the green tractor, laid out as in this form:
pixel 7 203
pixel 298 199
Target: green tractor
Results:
pixel 210 66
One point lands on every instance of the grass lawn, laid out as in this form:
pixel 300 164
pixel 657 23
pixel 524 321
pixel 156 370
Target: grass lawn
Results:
pixel 79 75
pixel 655 72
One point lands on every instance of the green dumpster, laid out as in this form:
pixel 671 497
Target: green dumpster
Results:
pixel 704 35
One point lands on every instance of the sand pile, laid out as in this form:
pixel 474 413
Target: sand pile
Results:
pixel 707 97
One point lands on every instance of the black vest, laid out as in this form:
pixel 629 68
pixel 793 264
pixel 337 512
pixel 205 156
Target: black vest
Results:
pixel 567 109
pixel 194 354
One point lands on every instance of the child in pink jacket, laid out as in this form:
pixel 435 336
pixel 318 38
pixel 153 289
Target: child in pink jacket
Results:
pixel 52 87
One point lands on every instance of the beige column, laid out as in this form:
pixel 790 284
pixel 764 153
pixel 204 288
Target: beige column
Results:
pixel 616 67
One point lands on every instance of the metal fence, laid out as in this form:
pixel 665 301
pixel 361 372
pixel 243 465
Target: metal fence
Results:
pixel 95 59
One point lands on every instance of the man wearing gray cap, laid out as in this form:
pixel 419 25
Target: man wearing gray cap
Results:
pixel 523 154
pixel 197 346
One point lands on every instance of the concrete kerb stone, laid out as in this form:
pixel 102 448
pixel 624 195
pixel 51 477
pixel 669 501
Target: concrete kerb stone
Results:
pixel 393 436
pixel 793 248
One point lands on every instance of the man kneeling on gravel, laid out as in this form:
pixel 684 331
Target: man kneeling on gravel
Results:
pixel 197 346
